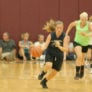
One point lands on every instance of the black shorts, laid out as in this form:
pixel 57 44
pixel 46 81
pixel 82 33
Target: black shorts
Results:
pixel 90 46
pixel 56 60
pixel 84 48
pixel 27 56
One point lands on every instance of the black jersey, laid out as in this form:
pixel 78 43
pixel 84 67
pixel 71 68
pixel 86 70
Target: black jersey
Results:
pixel 51 48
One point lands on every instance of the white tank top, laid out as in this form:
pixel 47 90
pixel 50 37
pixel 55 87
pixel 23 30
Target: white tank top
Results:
pixel 90 41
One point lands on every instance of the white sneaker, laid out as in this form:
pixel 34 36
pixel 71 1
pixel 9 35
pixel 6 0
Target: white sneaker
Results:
pixel 87 65
pixel 91 71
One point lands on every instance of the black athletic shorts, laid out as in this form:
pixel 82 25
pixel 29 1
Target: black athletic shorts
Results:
pixel 90 46
pixel 84 48
pixel 56 60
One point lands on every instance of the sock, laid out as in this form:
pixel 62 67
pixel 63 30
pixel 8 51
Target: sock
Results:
pixel 77 70
pixel 82 71
pixel 43 73
pixel 82 68
pixel 44 80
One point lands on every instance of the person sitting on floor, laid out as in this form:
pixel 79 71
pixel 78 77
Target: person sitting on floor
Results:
pixel 7 48
pixel 40 43
pixel 24 47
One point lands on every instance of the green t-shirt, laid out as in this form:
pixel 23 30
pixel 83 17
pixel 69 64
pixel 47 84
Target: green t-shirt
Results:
pixel 82 40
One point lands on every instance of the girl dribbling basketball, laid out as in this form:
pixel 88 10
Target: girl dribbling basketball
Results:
pixel 56 44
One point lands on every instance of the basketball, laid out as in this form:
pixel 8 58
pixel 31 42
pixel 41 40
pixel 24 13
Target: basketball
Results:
pixel 36 51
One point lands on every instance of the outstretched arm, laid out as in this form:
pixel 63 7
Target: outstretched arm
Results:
pixel 71 25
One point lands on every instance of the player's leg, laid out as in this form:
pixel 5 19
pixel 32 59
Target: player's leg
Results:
pixel 22 53
pixel 89 57
pixel 84 51
pixel 82 66
pixel 48 65
pixel 47 78
pixel 78 51
pixel 56 67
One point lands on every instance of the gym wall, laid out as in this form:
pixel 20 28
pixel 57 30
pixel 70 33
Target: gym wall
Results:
pixel 17 16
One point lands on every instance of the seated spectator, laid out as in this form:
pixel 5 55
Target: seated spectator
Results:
pixel 7 48
pixel 71 54
pixel 40 43
pixel 24 47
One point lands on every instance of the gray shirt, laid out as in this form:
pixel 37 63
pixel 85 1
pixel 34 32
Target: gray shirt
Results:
pixel 7 46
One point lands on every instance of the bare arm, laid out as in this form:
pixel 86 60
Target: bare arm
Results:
pixel 71 25
pixel 64 48
pixel 20 45
pixel 46 43
pixel 90 29
pixel 31 44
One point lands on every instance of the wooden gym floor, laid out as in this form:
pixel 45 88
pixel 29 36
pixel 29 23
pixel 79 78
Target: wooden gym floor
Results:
pixel 19 77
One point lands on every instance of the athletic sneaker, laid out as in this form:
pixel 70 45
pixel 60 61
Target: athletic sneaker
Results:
pixel 77 77
pixel 43 84
pixel 81 75
pixel 91 71
pixel 40 76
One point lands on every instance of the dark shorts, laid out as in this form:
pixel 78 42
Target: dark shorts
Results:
pixel 84 48
pixel 27 56
pixel 90 46
pixel 56 60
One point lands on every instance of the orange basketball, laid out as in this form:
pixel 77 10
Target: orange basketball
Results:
pixel 36 51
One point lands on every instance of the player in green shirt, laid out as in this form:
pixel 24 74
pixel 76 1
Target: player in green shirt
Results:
pixel 80 42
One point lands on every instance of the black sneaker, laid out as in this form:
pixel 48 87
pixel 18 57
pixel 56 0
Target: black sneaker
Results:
pixel 44 85
pixel 77 77
pixel 40 76
pixel 81 75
